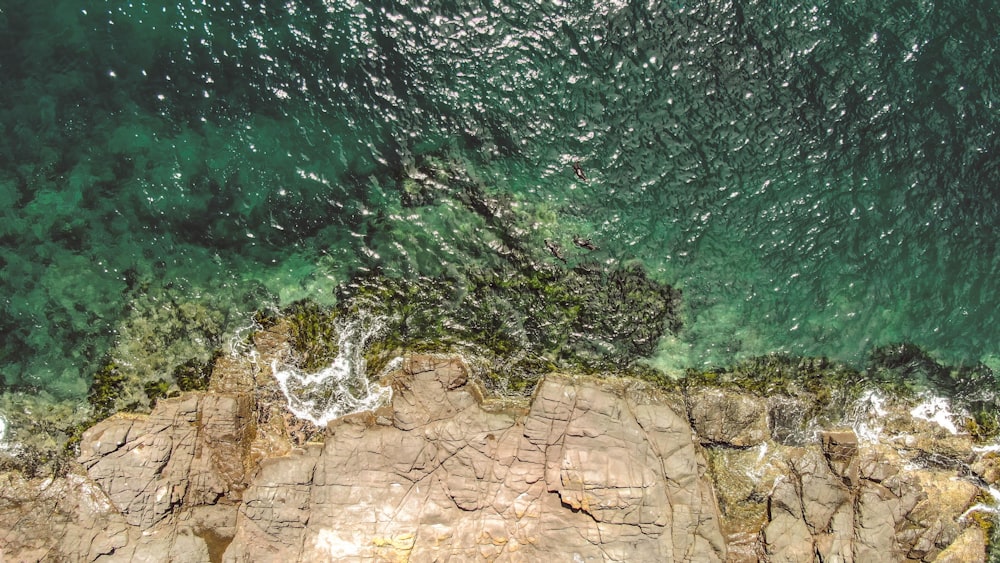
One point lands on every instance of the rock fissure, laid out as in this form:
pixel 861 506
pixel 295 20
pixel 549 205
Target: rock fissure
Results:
pixel 592 469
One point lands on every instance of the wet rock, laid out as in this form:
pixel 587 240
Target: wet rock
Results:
pixel 743 479
pixel 987 467
pixel 789 418
pixel 836 497
pixel 841 450
pixel 720 416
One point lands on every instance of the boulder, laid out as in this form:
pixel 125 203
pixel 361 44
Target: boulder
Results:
pixel 725 417
pixel 840 448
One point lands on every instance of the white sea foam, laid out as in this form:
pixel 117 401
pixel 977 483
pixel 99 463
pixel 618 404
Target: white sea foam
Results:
pixel 3 433
pixel 341 388
pixel 239 342
pixel 762 453
pixel 938 411
pixel 869 411
pixel 993 508
pixel 756 471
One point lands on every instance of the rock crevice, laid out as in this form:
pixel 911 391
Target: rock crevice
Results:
pixel 593 470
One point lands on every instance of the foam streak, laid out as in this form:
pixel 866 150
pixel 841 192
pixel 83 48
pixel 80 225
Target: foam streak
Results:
pixel 343 387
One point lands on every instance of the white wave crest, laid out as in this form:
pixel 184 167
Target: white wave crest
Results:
pixel 343 387
pixel 938 411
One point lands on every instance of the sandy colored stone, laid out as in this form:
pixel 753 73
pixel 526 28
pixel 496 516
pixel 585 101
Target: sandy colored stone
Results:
pixel 191 449
pixel 588 473
pixel 988 467
pixel 721 416
pixel 967 548
pixel 935 522
pixel 840 447
pixel 39 515
pixel 603 470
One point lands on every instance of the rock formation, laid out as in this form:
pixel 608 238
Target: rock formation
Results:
pixel 590 470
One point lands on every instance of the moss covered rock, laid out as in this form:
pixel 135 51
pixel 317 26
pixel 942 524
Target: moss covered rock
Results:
pixel 525 320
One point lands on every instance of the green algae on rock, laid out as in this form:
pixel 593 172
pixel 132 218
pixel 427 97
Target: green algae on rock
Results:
pixel 907 370
pixel 527 320
pixel 194 374
pixel 911 369
pixel 314 334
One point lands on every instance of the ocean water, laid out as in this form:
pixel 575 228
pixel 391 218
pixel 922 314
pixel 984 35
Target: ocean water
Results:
pixel 818 178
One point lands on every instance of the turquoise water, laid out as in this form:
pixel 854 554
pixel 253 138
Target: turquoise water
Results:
pixel 818 178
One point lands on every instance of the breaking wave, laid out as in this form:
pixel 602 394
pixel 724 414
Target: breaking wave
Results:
pixel 341 388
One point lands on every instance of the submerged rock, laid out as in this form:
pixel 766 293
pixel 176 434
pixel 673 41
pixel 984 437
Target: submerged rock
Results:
pixel 590 469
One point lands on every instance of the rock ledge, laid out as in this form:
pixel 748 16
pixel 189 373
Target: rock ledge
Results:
pixel 593 470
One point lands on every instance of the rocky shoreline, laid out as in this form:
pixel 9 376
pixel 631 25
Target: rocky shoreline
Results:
pixel 589 468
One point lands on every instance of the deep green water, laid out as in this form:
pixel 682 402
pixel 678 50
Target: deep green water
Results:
pixel 817 178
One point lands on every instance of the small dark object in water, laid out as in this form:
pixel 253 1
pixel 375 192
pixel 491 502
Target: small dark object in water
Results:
pixel 579 171
pixel 584 242
pixel 555 250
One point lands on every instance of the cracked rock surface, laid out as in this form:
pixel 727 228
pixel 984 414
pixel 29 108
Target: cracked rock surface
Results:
pixel 592 470
pixel 587 474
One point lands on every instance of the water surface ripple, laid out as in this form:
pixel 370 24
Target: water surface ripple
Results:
pixel 819 178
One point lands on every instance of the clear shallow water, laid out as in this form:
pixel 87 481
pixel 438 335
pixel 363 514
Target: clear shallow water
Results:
pixel 817 178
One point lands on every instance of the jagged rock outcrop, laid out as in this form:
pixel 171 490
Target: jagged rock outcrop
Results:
pixel 592 469
pixel 902 498
pixel 588 473
pixel 721 416
pixel 190 451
